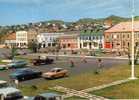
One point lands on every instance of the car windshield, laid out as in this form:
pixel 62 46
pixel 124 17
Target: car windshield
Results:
pixel 23 70
pixel 15 94
pixel 55 70
pixel 3 85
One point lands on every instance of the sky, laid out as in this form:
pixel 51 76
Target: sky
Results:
pixel 26 11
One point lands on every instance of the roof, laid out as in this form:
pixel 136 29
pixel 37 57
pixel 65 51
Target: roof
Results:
pixel 68 36
pixel 124 27
pixel 11 36
pixel 90 33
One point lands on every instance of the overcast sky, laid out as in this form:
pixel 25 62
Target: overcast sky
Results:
pixel 25 11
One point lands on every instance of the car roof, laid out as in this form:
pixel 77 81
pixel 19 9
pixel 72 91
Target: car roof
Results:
pixel 22 69
pixel 56 68
pixel 8 90
pixel 1 81
pixel 49 95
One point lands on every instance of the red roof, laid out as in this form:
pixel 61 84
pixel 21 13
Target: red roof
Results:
pixel 11 36
pixel 124 27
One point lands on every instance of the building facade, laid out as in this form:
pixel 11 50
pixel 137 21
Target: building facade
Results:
pixel 22 39
pixel 119 36
pixel 48 39
pixel 10 40
pixel 91 40
pixel 69 42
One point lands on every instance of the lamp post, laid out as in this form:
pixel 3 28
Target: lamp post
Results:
pixel 133 45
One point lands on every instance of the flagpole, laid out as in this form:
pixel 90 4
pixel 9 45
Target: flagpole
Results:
pixel 133 44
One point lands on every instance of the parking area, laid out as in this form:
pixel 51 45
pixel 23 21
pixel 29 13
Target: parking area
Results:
pixel 64 62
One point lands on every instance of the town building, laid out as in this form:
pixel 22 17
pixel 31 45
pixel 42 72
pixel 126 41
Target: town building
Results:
pixel 21 39
pixel 48 39
pixel 10 40
pixel 69 42
pixel 32 35
pixel 17 39
pixel 91 40
pixel 119 36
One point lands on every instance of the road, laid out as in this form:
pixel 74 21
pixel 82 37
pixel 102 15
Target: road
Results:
pixel 64 62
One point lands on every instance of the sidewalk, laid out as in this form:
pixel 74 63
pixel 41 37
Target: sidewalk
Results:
pixel 78 56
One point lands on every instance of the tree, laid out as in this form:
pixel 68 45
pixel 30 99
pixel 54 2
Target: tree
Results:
pixel 136 55
pixel 33 46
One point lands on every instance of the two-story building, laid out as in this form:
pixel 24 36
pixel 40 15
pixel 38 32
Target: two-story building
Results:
pixel 91 40
pixel 22 39
pixel 69 42
pixel 48 39
pixel 10 40
pixel 17 39
pixel 119 36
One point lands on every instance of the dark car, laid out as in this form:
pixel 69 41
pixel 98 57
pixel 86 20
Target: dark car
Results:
pixel 25 74
pixel 46 96
pixel 42 61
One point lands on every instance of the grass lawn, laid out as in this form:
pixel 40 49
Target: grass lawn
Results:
pixel 128 90
pixel 82 81
pixel 75 98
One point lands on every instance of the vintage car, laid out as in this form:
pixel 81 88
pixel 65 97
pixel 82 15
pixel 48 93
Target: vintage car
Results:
pixel 3 67
pixel 9 93
pixel 46 96
pixel 55 73
pixel 42 61
pixel 17 64
pixel 25 74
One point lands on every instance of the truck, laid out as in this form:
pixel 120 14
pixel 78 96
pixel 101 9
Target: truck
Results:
pixel 8 92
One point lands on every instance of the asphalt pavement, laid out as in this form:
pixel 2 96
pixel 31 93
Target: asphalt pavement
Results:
pixel 64 62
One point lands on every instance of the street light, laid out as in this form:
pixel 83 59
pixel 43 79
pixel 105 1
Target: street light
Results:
pixel 133 44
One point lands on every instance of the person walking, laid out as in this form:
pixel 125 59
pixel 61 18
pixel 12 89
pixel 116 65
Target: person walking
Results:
pixel 72 63
pixel 84 59
pixel 99 63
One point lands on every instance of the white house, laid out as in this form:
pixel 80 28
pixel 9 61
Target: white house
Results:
pixel 48 39
pixel 21 39
pixel 91 40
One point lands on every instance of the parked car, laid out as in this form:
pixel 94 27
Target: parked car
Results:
pixel 17 64
pixel 55 73
pixel 25 74
pixel 42 61
pixel 46 96
pixel 9 93
pixel 3 67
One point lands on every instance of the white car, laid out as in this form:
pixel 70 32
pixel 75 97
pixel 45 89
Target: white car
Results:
pixel 3 67
pixel 9 93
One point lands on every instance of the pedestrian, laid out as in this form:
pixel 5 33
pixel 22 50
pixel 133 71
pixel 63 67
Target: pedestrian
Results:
pixel 84 60
pixel 99 63
pixel 72 63
pixel 16 82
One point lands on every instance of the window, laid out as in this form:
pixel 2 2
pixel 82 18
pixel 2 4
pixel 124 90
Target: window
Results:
pixel 128 44
pixel 117 36
pixel 84 44
pixel 123 43
pixel 128 36
pixel 123 36
pixel 95 44
pixel 69 45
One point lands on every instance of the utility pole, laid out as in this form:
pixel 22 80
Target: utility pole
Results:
pixel 133 44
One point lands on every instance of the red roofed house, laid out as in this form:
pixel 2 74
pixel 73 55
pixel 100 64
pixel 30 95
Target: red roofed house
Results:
pixel 119 36
pixel 10 40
